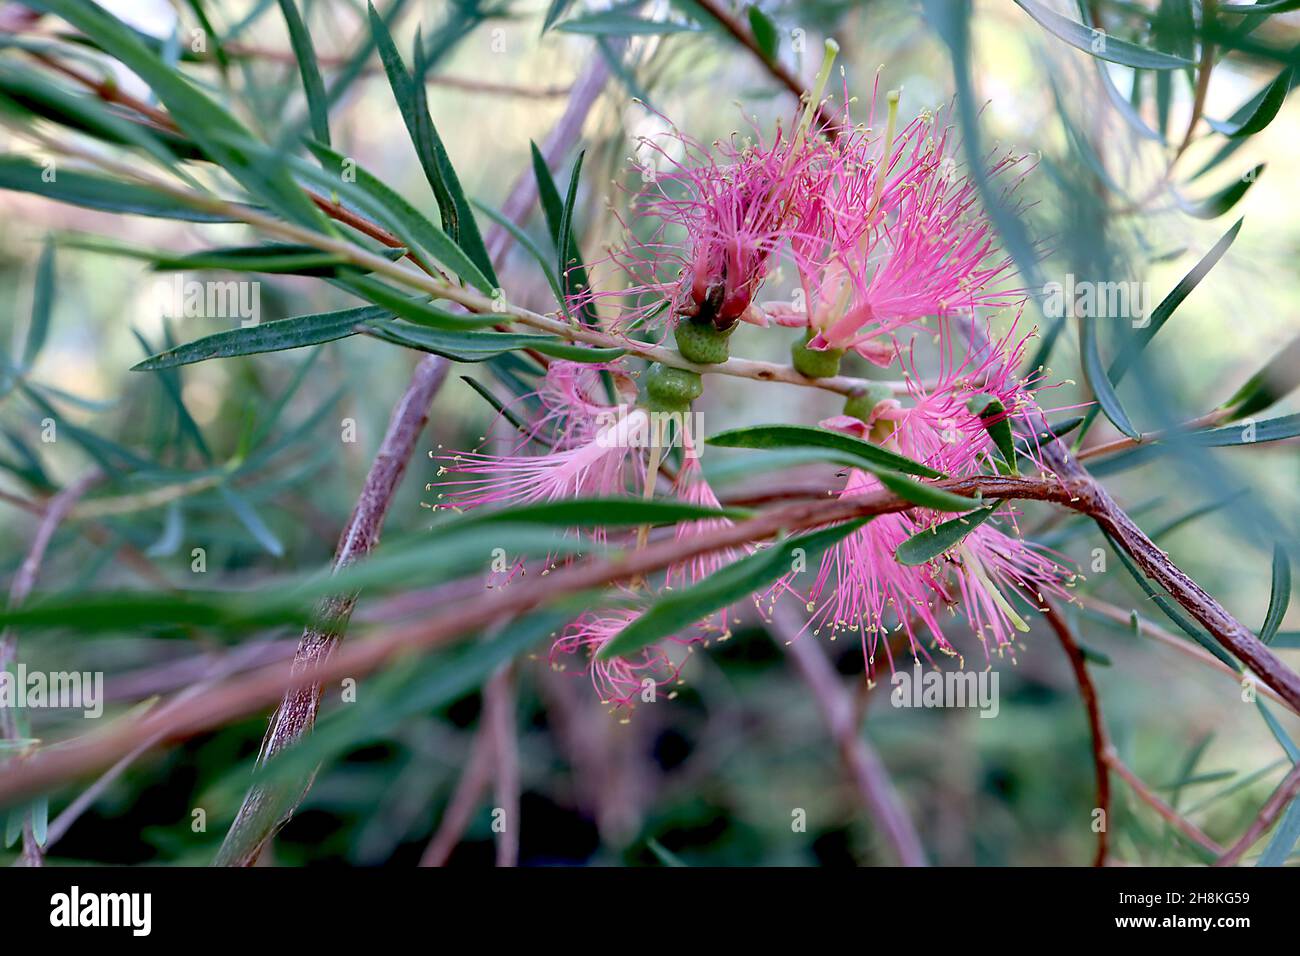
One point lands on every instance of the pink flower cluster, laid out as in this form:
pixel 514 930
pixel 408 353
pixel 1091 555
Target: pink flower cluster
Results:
pixel 884 235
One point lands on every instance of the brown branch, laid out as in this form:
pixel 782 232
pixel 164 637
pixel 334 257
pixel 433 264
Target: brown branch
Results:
pixel 263 811
pixel 1208 420
pixel 779 71
pixel 267 684
pixel 1279 800
pixel 1089 497
pixel 499 718
pixel 1120 616
pixel 24 580
pixel 1171 816
pixel 866 770
pixel 473 781
pixel 1092 704
pixel 1205 68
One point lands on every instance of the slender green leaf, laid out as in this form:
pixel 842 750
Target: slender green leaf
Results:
pixel 802 436
pixel 95 192
pixel 1099 382
pixel 1269 102
pixel 404 218
pixel 42 304
pixel 1279 597
pixel 276 336
pixel 476 346
pixel 1098 44
pixel 765 32
pixel 309 69
pixel 1273 382
pixel 1217 204
pixel 993 415
pixel 932 542
pixel 675 610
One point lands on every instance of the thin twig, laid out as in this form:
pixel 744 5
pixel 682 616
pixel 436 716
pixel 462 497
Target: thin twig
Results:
pixel 1208 420
pixel 267 684
pixel 499 716
pixel 1279 800
pixel 474 778
pixel 1097 726
pixel 865 768
pixel 779 71
pixel 263 811
pixel 1170 815
pixel 1181 644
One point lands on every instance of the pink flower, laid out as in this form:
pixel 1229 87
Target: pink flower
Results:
pixel 861 588
pixel 990 564
pixel 895 239
pixel 620 681
pixel 938 426
pixel 594 447
pixel 722 214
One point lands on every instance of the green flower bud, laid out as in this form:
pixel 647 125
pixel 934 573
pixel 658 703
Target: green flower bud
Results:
pixel 812 363
pixel 671 389
pixel 703 342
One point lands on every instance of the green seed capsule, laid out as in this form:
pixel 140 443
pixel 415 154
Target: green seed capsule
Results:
pixel 671 389
pixel 703 342
pixel 812 363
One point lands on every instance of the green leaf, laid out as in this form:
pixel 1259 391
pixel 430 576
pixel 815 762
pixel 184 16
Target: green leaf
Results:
pixel 572 273
pixel 42 304
pixel 1269 385
pixel 1160 315
pixel 1284 837
pixel 1248 432
pixel 96 192
pixel 929 544
pixel 502 409
pixel 802 436
pixel 590 512
pixel 570 265
pixel 1098 381
pixel 28 90
pixel 556 10
pixel 417 309
pixel 1217 204
pixel 457 216
pixel 525 242
pixel 1269 101
pixel 927 496
pixel 216 131
pixel 1279 597
pixel 218 48
pixel 475 346
pixel 1100 45
pixel 276 336
pixel 308 68
pixel 674 610
pixel 993 415
pixel 765 32
pixel 252 521
pixel 407 221
pixel 271 257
